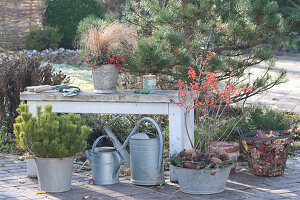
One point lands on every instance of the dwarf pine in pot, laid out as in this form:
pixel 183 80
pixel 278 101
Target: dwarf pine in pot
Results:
pixel 53 139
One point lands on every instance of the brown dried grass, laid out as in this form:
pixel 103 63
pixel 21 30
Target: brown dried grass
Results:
pixel 116 37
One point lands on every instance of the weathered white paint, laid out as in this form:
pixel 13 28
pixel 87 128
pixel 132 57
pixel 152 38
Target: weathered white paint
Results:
pixel 124 102
pixel 178 132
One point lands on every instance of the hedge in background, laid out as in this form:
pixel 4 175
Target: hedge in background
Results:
pixel 15 75
pixel 43 38
pixel 67 14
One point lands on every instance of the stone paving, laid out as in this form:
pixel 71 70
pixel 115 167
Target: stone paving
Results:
pixel 285 96
pixel 241 185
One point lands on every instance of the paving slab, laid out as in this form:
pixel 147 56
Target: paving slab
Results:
pixel 284 96
pixel 241 185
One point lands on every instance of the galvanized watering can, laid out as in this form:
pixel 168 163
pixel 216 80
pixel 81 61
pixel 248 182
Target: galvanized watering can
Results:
pixel 105 163
pixel 146 155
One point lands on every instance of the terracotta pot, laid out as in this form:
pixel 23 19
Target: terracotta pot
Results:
pixel 230 148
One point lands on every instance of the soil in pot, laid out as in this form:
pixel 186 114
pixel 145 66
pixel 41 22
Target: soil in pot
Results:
pixel 202 173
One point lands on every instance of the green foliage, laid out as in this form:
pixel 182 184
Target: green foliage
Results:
pixel 7 142
pixel 67 14
pixel 257 118
pixel 176 34
pixel 121 126
pixel 175 160
pixel 153 56
pixel 290 9
pixel 83 26
pixel 88 22
pixel 265 118
pixel 43 38
pixel 48 135
pixel 15 75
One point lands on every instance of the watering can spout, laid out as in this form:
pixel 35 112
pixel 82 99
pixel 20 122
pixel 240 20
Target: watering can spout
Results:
pixel 88 155
pixel 118 145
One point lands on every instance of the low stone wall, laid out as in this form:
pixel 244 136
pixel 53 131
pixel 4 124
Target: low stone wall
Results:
pixel 59 56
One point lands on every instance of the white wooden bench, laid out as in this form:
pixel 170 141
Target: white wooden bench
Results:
pixel 123 102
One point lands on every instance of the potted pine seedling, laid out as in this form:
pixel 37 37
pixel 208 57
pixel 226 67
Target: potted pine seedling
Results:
pixel 23 143
pixel 205 168
pixel 53 140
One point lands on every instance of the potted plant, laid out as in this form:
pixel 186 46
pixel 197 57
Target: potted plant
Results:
pixel 105 47
pixel 205 168
pixel 53 140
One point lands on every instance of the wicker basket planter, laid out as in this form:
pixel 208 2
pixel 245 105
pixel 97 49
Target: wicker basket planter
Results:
pixel 266 156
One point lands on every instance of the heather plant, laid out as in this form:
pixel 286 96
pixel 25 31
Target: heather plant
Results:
pixel 15 75
pixel 48 135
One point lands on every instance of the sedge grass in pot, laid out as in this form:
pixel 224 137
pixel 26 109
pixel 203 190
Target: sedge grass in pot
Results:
pixel 106 47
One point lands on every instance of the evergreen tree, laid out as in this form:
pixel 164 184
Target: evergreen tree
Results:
pixel 177 34
pixel 48 135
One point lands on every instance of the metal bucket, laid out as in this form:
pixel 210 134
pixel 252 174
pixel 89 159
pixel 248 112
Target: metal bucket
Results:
pixel 149 83
pixel 31 168
pixel 105 78
pixel 146 156
pixel 54 174
pixel 105 163
pixel 203 181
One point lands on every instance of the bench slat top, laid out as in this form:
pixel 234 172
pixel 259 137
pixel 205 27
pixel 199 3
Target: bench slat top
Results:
pixel 161 96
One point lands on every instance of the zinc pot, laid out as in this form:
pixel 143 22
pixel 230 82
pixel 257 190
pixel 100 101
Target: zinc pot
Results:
pixel 54 174
pixel 105 162
pixel 105 78
pixel 203 181
pixel 31 167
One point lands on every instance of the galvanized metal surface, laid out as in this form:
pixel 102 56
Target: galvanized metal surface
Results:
pixel 54 174
pixel 105 163
pixel 31 168
pixel 105 78
pixel 202 181
pixel 146 156
pixel 118 145
pixel 149 83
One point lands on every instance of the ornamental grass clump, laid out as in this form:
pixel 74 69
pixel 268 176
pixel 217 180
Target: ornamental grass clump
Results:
pixel 48 135
pixel 210 97
pixel 107 44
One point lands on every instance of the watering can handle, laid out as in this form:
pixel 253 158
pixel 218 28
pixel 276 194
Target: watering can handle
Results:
pixel 99 138
pixel 161 139
pixel 88 155
pixel 118 157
